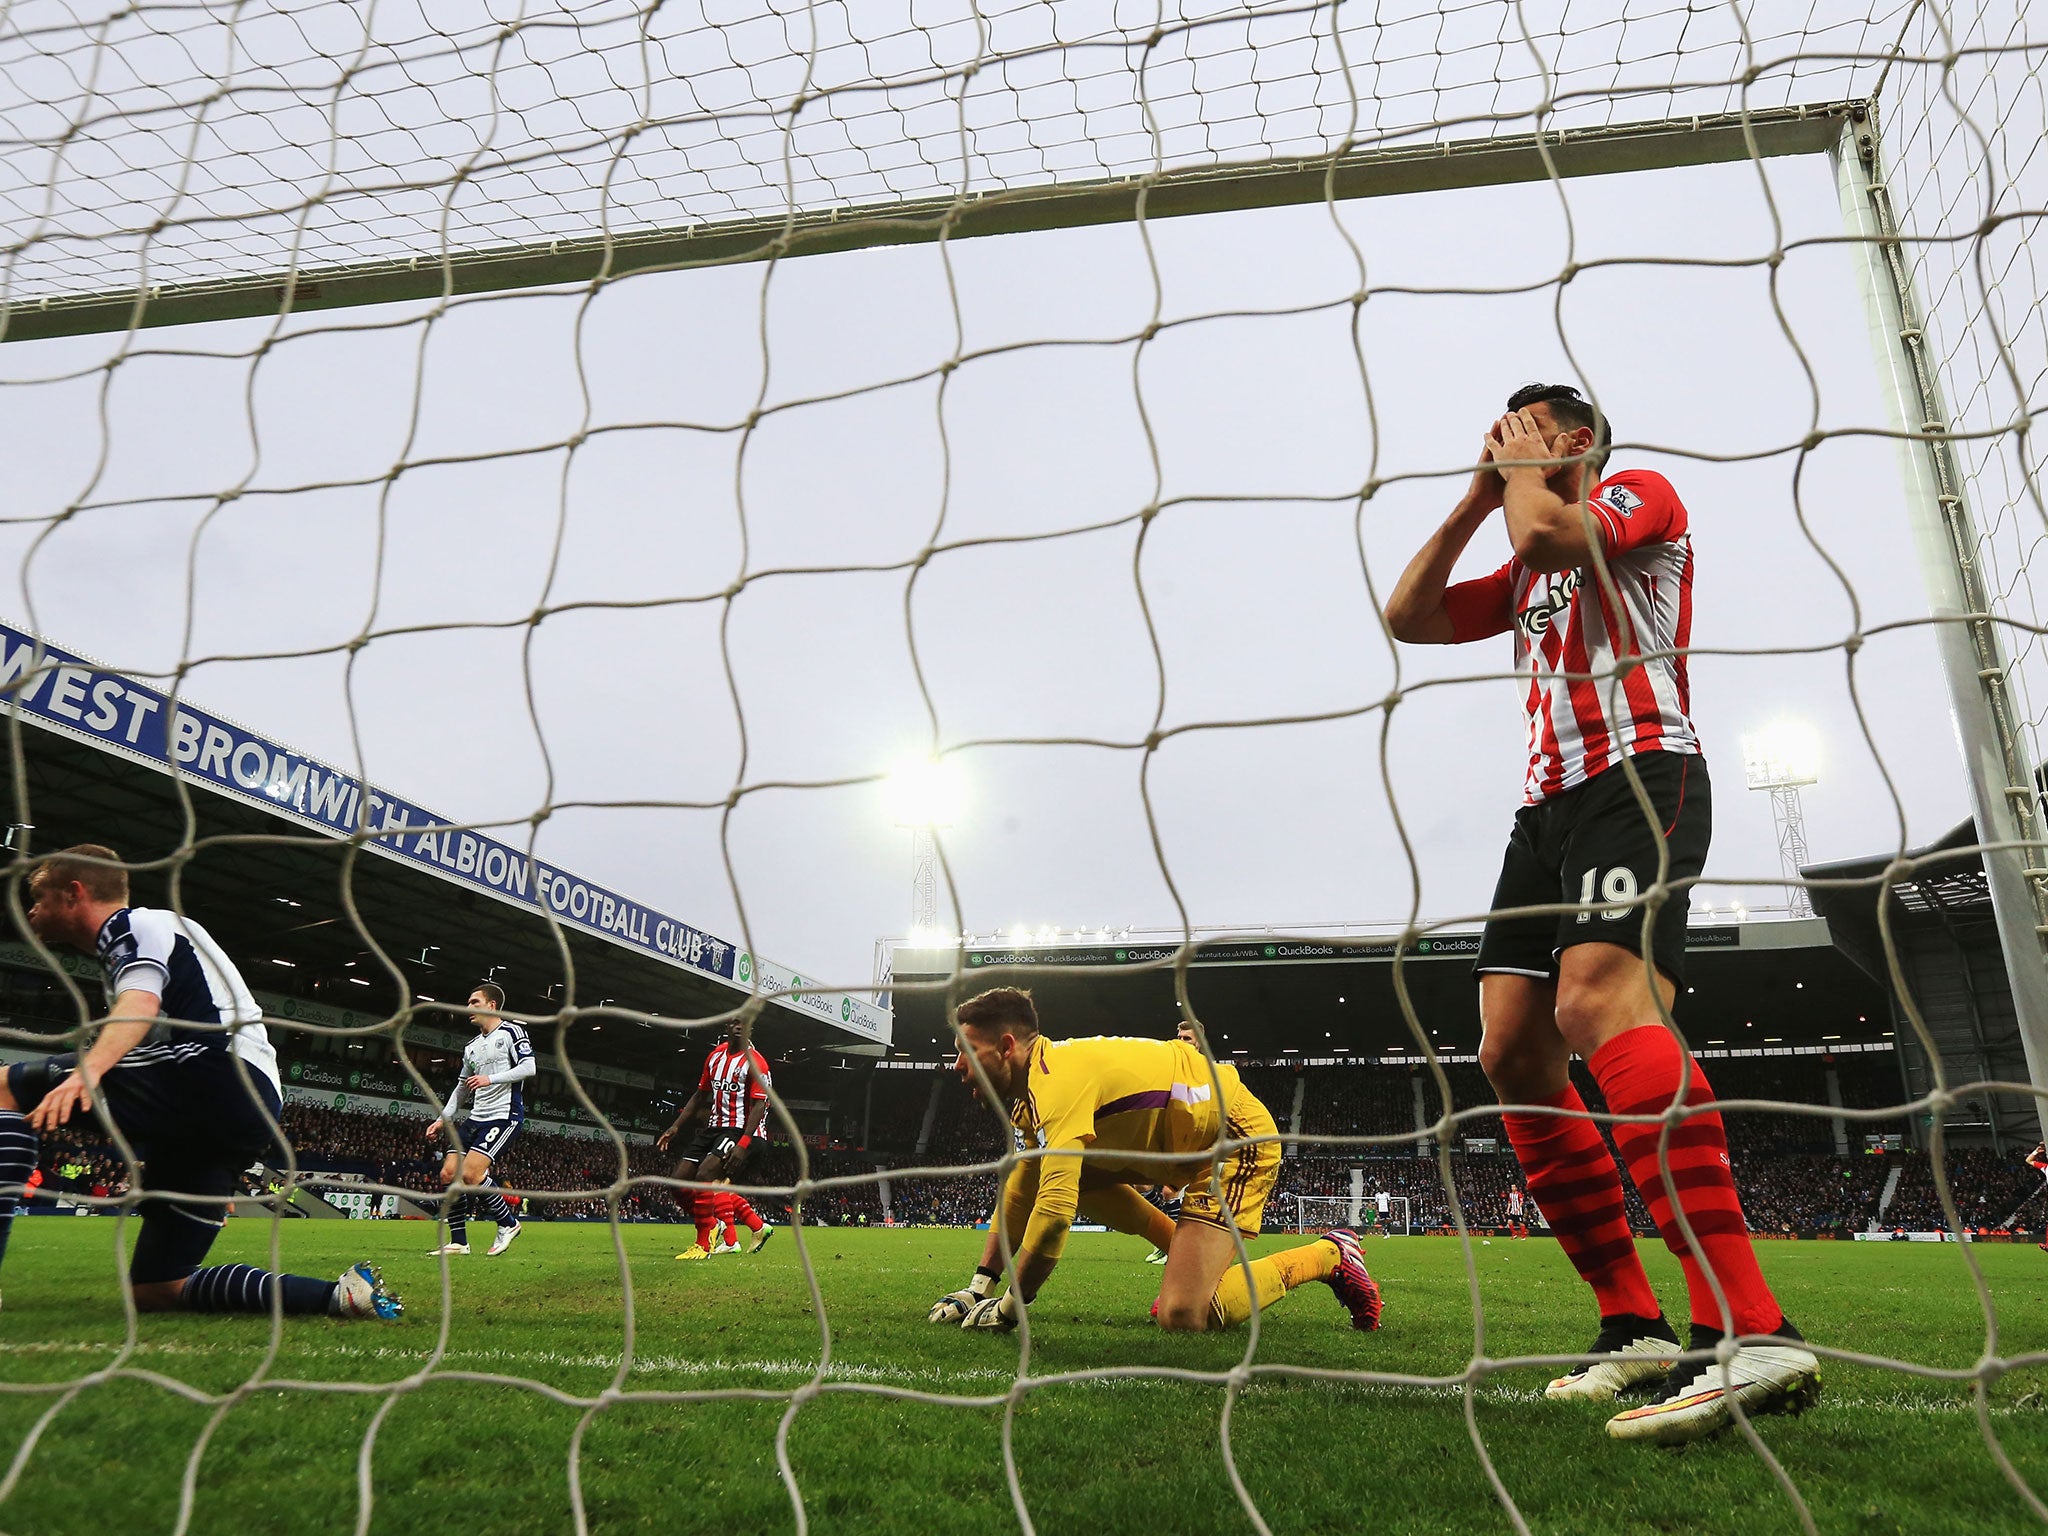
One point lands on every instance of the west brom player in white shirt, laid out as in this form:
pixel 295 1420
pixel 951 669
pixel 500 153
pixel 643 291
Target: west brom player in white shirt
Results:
pixel 198 1106
pixel 1598 596
pixel 485 1112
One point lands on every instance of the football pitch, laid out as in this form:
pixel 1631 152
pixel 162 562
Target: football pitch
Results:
pixel 462 1452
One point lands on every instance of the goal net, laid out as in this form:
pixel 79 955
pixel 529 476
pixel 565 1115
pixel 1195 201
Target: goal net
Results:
pixel 634 430
pixel 1320 1213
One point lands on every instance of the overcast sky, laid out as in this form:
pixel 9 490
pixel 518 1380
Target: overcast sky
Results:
pixel 1253 571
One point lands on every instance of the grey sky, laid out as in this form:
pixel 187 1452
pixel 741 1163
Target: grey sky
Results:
pixel 1259 597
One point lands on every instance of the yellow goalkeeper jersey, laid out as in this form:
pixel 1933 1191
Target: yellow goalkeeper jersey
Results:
pixel 1106 1095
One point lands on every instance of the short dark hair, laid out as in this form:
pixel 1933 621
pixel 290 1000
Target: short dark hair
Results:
pixel 92 865
pixel 1008 1008
pixel 491 990
pixel 1570 409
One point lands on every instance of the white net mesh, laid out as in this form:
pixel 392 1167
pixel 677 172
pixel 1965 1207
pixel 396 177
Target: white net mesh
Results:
pixel 497 514
pixel 151 143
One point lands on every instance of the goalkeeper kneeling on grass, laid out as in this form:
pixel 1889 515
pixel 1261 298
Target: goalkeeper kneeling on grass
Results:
pixel 1110 1097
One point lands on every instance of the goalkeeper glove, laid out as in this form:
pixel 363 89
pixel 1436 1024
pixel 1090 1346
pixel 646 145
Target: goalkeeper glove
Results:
pixel 955 1305
pixel 998 1313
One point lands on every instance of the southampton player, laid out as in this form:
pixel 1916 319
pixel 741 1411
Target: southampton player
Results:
pixel 1107 1098
pixel 198 1105
pixel 733 1212
pixel 1516 1227
pixel 494 1064
pixel 1599 646
pixel 732 1101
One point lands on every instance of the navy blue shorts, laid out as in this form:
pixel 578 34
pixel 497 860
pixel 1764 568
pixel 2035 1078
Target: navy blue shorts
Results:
pixel 490 1137
pixel 194 1123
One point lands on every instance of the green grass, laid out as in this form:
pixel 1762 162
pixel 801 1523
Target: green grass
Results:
pixel 1884 1452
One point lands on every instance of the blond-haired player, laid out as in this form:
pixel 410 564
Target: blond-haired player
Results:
pixel 1089 1105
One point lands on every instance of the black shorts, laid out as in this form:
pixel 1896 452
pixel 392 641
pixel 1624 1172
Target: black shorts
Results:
pixel 707 1143
pixel 490 1137
pixel 1591 846
pixel 194 1124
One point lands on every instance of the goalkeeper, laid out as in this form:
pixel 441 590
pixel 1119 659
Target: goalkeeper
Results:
pixel 1090 1104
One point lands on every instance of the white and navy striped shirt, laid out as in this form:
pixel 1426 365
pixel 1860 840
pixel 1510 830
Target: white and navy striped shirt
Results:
pixel 148 950
pixel 505 1054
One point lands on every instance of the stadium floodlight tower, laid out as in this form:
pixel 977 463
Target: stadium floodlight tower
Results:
pixel 924 796
pixel 1783 758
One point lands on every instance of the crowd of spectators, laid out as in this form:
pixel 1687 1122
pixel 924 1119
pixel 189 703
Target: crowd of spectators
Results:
pixel 1987 1190
pixel 1357 1101
pixel 1793 1180
pixel 76 1160
pixel 1790 1195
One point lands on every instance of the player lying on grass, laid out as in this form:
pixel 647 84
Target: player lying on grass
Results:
pixel 198 1106
pixel 1598 596
pixel 732 1101
pixel 1107 1098
pixel 484 1113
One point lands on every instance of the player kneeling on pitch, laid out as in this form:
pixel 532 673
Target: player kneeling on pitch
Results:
pixel 1109 1098
pixel 198 1107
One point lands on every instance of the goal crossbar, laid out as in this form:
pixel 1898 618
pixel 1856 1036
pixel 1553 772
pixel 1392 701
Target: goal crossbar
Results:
pixel 1377 171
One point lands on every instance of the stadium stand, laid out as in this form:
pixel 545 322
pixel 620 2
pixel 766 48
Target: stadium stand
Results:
pixel 1796 1180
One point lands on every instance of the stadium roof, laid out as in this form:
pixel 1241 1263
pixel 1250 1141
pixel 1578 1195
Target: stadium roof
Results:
pixel 1948 885
pixel 269 854
pixel 1264 995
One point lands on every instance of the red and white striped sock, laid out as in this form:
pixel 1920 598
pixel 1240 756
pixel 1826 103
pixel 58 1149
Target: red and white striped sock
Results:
pixel 1573 1179
pixel 1639 1072
pixel 704 1206
pixel 747 1213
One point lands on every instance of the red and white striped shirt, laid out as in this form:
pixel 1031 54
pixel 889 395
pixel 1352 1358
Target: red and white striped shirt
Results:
pixel 1569 636
pixel 733 1092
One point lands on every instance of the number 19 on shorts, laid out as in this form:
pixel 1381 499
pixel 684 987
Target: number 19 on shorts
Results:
pixel 1617 889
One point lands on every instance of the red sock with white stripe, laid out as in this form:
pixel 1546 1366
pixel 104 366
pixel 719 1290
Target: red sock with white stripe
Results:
pixel 1573 1179
pixel 729 1233
pixel 1639 1072
pixel 747 1213
pixel 705 1207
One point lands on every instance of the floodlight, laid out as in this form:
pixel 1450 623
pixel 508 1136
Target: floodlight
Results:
pixel 924 792
pixel 1781 755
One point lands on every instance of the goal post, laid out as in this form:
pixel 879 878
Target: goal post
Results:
pixel 2005 783
pixel 1320 1213
pixel 1388 170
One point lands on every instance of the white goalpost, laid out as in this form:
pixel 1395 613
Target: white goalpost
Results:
pixel 640 422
